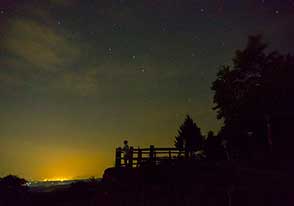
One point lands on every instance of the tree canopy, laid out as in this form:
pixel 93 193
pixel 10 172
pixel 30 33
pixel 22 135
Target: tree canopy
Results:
pixel 256 87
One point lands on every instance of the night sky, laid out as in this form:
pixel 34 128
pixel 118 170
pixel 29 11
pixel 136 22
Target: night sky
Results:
pixel 77 77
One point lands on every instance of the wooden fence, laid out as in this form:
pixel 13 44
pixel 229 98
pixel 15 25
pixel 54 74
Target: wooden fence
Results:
pixel 138 156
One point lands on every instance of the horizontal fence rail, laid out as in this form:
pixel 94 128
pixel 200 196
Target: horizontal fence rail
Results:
pixel 138 156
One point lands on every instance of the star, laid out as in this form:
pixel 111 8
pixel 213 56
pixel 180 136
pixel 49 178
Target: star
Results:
pixel 142 69
pixel 277 11
pixel 116 27
pixel 2 12
pixel 109 51
pixel 134 57
pixel 202 74
pixel 195 37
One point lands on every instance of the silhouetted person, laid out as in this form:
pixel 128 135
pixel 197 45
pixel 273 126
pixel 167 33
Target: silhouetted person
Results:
pixel 126 152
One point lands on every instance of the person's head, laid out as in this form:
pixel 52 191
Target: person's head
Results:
pixel 126 142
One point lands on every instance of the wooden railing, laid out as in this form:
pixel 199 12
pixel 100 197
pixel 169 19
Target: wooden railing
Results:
pixel 138 156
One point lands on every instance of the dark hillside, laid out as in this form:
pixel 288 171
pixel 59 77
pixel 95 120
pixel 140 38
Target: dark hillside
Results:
pixel 198 183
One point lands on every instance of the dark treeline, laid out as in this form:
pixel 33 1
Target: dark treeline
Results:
pixel 254 98
pixel 194 145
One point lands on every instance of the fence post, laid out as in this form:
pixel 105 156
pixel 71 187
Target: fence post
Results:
pixel 152 154
pixel 139 160
pixel 131 152
pixel 118 157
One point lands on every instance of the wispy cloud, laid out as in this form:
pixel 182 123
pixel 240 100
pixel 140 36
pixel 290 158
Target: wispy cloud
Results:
pixel 40 54
pixel 40 45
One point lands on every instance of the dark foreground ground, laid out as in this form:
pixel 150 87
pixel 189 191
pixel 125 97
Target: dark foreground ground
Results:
pixel 181 183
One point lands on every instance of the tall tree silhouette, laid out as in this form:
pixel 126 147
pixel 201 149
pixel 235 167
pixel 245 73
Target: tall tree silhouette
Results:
pixel 258 85
pixel 189 138
pixel 213 147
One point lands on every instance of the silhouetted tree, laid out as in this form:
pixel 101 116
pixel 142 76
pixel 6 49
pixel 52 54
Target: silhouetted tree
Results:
pixel 179 143
pixel 13 191
pixel 189 137
pixel 213 147
pixel 12 181
pixel 256 86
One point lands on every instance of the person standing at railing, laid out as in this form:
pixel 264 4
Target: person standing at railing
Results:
pixel 126 152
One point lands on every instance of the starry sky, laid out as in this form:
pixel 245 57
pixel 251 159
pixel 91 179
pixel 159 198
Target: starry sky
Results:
pixel 77 77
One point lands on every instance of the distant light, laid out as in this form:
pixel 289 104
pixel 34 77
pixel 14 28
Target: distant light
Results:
pixel 277 11
pixel 28 184
pixel 56 179
pixel 250 133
